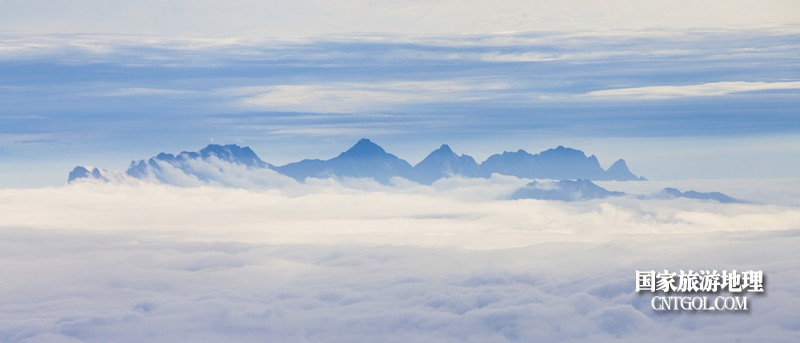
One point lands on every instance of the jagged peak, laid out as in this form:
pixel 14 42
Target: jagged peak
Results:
pixel 85 172
pixel 365 158
pixel 619 170
pixel 518 152
pixel 216 148
pixel 563 151
pixel 232 153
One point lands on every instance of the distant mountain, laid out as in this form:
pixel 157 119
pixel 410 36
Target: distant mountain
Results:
pixel 365 159
pixel 557 163
pixel 443 162
pixel 204 165
pixel 715 196
pixel 89 172
pixel 81 172
pixel 215 163
pixel 219 164
pixel 230 153
pixel 305 169
pixel 234 166
pixel 564 190
pixel 510 163
pixel 619 172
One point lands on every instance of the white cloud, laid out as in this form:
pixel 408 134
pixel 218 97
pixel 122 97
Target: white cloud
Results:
pixel 704 89
pixel 465 212
pixel 534 56
pixel 307 17
pixel 356 96
pixel 132 263
pixel 336 130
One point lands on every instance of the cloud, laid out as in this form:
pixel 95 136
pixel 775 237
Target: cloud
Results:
pixel 366 96
pixel 705 89
pixel 485 92
pixel 304 17
pixel 157 263
pixel 336 131
pixel 578 56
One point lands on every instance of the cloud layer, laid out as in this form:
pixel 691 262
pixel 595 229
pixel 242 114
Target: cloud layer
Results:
pixel 706 89
pixel 306 17
pixel 325 263
pixel 91 98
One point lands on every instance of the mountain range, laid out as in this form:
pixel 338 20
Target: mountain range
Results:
pixel 366 159
pixel 564 190
pixel 671 193
pixel 581 189
pixel 560 173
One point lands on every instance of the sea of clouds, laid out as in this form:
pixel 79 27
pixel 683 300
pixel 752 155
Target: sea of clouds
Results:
pixel 356 261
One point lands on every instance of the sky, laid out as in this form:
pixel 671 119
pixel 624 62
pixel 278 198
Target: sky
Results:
pixel 680 89
pixel 697 95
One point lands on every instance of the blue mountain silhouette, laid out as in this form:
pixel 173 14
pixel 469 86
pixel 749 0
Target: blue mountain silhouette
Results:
pixel 81 172
pixel 715 196
pixel 230 153
pixel 564 190
pixel 366 159
pixel 619 171
pixel 443 162
pixel 557 163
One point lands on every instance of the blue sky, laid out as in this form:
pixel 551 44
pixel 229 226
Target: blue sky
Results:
pixel 691 99
pixel 695 94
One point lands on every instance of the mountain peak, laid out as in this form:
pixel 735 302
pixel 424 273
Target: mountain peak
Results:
pixel 563 151
pixel 619 171
pixel 93 173
pixel 443 150
pixel 366 160
pixel 81 172
pixel 620 163
pixel 364 147
pixel 443 162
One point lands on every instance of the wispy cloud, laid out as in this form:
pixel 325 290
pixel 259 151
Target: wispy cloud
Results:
pixel 324 130
pixel 138 91
pixel 577 56
pixel 364 96
pixel 550 85
pixel 704 89
pixel 305 17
